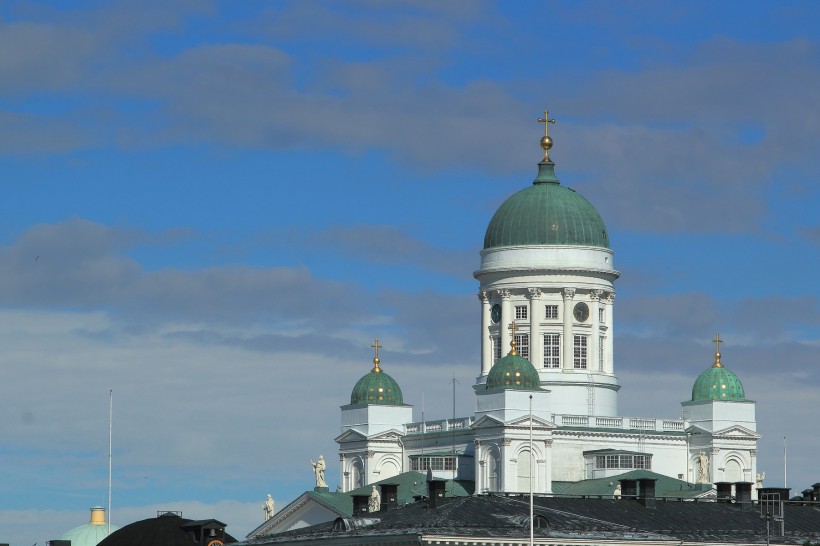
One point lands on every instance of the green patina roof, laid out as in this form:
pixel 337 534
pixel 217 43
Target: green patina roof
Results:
pixel 341 503
pixel 413 483
pixel 546 213
pixel 513 372
pixel 377 388
pixel 718 383
pixel 664 485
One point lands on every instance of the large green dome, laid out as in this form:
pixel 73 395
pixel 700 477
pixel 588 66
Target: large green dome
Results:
pixel 718 383
pixel 377 388
pixel 546 213
pixel 513 372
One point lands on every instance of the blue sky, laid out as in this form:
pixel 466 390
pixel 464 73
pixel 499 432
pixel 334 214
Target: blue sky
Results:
pixel 212 208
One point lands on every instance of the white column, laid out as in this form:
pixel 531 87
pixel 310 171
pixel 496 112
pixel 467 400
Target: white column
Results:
pixel 343 480
pixel 548 458
pixel 567 349
pixel 609 357
pixel 506 319
pixel 536 338
pixel 486 342
pixel 595 342
pixel 480 480
pixel 508 471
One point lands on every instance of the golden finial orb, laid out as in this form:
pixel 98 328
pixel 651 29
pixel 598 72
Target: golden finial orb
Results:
pixel 376 358
pixel 546 140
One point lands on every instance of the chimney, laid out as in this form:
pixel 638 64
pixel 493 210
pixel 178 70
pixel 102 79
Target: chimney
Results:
pixel 743 494
pixel 808 495
pixel 816 488
pixel 647 493
pixel 436 491
pixel 629 489
pixel 360 505
pixel 390 496
pixel 724 491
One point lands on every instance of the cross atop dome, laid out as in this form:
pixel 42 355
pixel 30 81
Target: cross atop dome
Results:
pixel 717 341
pixel 376 359
pixel 546 140
pixel 513 349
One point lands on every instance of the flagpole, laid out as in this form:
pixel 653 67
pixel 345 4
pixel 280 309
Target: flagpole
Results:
pixel 784 463
pixel 110 421
pixel 531 458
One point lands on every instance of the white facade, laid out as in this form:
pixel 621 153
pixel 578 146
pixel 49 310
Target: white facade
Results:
pixel 561 301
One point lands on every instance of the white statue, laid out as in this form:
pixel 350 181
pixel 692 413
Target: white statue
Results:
pixel 759 480
pixel 268 508
pixel 375 503
pixel 319 471
pixel 617 492
pixel 703 464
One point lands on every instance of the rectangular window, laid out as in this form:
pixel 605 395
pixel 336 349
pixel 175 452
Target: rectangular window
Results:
pixel 433 463
pixel 522 344
pixel 552 351
pixel 601 315
pixel 601 344
pixel 520 312
pixel 551 312
pixel 580 352
pixel 496 348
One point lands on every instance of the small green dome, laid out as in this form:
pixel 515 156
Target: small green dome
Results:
pixel 718 383
pixel 91 533
pixel 546 213
pixel 377 388
pixel 513 372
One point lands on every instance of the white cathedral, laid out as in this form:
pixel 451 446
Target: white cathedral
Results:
pixel 547 318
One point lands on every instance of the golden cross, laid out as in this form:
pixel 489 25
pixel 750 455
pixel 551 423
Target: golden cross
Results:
pixel 546 121
pixel 717 341
pixel 377 347
pixel 513 350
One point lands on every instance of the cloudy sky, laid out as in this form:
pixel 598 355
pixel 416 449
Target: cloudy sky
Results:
pixel 212 208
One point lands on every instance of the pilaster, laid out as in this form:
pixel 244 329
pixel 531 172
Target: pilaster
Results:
pixel 567 348
pixel 486 341
pixel 506 318
pixel 536 339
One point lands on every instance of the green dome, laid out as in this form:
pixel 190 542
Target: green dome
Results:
pixel 718 383
pixel 377 388
pixel 513 372
pixel 546 213
pixel 91 533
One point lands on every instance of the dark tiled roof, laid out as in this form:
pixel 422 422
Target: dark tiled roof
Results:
pixel 507 516
pixel 165 530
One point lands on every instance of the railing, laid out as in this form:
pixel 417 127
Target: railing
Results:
pixel 623 423
pixel 440 425
pixel 585 421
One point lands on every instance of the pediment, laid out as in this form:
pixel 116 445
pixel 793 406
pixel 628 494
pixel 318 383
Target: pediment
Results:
pixel 537 422
pixel 387 435
pixel 737 431
pixel 351 435
pixel 697 430
pixel 487 422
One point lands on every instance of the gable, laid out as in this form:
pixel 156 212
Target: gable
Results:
pixel 310 508
pixel 737 431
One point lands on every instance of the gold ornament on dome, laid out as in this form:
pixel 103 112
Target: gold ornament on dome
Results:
pixel 376 360
pixel 546 140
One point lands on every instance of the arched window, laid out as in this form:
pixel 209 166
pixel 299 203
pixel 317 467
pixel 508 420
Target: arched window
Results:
pixel 732 471
pixel 524 461
pixel 493 471
pixel 389 469
pixel 356 475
